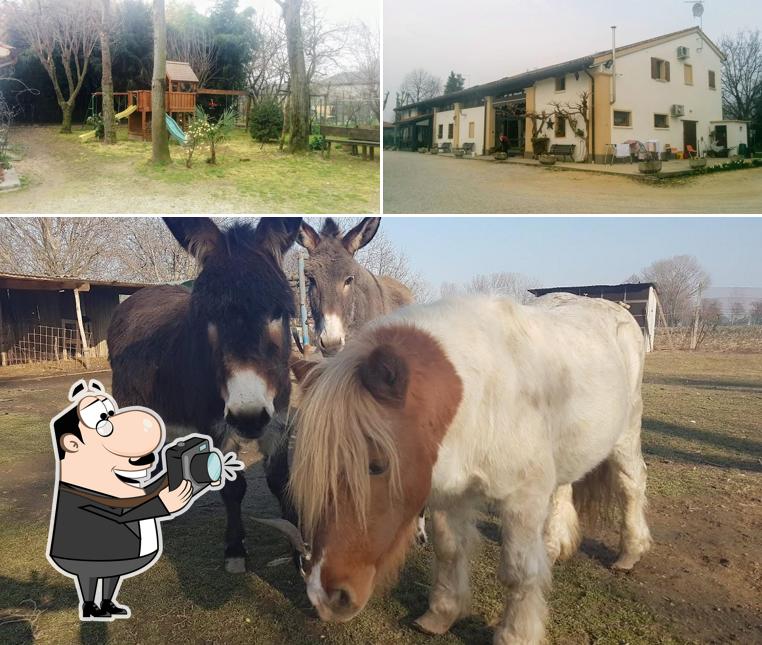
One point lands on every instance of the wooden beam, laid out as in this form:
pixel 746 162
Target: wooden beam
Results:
pixel 81 325
pixel 664 321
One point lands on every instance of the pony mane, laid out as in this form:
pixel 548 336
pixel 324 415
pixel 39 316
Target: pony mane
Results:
pixel 338 420
pixel 330 228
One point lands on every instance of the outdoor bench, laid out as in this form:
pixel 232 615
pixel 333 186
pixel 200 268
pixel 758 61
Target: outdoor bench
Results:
pixel 563 150
pixel 445 147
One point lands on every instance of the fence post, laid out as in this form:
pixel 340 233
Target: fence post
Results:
pixel 303 304
pixel 81 325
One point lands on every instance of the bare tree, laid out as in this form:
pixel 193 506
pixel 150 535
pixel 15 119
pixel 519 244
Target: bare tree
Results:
pixel 60 31
pixel 419 85
pixel 59 246
pixel 742 74
pixel 678 280
pixel 297 122
pixel 737 313
pixel 324 43
pixel 366 51
pixel 268 69
pixel 755 312
pixel 159 136
pixel 107 81
pixel 194 45
pixel 147 252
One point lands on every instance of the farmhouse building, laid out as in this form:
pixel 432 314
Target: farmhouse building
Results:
pixel 665 91
pixel 641 300
pixel 54 319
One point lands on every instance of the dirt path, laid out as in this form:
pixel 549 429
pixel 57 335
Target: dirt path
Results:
pixel 415 183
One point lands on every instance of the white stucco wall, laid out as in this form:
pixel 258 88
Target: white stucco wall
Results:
pixel 473 115
pixel 444 118
pixel 546 94
pixel 737 133
pixel 638 93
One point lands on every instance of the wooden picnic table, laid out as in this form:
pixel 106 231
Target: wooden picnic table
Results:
pixel 368 147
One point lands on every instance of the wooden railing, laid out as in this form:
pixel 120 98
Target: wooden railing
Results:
pixel 173 101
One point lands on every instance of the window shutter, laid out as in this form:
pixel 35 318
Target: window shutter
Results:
pixel 654 68
pixel 666 70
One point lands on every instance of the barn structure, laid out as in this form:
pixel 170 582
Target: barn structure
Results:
pixel 55 319
pixel 641 299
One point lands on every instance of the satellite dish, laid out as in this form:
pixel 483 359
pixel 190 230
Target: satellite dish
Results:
pixel 698 9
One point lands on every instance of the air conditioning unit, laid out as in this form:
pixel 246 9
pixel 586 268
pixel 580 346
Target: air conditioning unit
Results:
pixel 683 53
pixel 677 110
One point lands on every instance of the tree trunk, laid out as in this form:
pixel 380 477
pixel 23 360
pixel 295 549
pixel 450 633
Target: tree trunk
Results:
pixel 298 115
pixel 107 82
pixel 159 135
pixel 67 109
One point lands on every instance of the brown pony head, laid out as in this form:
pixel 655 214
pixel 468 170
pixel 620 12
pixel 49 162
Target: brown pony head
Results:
pixel 370 425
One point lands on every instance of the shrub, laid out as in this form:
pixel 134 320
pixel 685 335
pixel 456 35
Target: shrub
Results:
pixel 266 121
pixel 316 141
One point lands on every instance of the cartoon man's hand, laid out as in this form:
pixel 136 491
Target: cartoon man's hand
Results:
pixel 176 499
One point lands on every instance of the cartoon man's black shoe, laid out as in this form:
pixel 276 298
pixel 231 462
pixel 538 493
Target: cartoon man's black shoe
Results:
pixel 91 610
pixel 114 609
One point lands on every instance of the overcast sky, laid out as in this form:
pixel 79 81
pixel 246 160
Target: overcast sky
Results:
pixel 576 251
pixel 366 11
pixel 487 39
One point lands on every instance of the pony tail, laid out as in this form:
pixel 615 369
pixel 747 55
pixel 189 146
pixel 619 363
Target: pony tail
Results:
pixel 595 495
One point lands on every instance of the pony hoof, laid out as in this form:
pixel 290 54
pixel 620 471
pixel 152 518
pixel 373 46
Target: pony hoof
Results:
pixel 625 563
pixel 235 565
pixel 432 624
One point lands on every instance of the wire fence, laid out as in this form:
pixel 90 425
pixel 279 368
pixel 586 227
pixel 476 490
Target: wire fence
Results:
pixel 43 343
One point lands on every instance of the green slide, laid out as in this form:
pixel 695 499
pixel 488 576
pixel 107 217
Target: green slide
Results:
pixel 175 131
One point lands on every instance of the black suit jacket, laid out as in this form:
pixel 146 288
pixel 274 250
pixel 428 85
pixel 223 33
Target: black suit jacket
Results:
pixel 86 528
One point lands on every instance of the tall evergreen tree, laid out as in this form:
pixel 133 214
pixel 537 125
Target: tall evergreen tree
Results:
pixel 455 83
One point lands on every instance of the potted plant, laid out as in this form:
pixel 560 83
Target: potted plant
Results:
pixel 458 152
pixel 698 162
pixel 650 165
pixel 434 150
pixel 547 160
pixel 423 150
pixel 540 145
pixel 500 156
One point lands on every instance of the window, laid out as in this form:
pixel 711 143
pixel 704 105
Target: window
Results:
pixel 660 69
pixel 560 83
pixel 688 69
pixel 560 129
pixel 661 120
pixel 471 129
pixel 622 119
pixel 712 80
pixel 449 130
pixel 440 130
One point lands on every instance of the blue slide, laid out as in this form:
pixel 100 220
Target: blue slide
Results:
pixel 175 131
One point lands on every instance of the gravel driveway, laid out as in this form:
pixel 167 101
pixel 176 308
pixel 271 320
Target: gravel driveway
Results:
pixel 415 183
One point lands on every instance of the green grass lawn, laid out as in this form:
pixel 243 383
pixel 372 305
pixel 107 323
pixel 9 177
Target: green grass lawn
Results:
pixel 187 596
pixel 63 173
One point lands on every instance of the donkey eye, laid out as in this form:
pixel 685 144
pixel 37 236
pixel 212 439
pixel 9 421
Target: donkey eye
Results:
pixel 350 279
pixel 376 468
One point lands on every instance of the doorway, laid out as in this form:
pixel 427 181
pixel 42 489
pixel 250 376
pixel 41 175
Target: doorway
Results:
pixel 689 135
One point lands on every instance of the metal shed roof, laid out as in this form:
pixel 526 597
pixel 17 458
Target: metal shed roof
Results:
pixel 600 290
pixel 52 283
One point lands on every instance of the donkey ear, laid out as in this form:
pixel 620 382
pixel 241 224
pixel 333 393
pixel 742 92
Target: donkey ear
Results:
pixel 308 237
pixel 197 235
pixel 361 234
pixel 277 234
pixel 76 389
pixel 97 385
pixel 385 375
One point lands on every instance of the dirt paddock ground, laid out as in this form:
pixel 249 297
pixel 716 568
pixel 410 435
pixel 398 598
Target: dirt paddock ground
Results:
pixel 700 583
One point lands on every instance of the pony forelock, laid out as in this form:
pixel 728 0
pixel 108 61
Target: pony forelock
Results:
pixel 338 421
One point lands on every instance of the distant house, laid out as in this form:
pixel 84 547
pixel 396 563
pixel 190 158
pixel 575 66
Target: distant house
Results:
pixel 640 298
pixel 346 99
pixel 664 91
pixel 44 318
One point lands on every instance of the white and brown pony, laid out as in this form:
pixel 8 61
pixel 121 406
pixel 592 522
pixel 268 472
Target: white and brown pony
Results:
pixel 457 404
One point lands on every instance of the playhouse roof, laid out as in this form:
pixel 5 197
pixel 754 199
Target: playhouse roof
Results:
pixel 183 72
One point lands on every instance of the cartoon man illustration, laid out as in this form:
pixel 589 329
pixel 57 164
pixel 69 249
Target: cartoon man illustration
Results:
pixel 106 510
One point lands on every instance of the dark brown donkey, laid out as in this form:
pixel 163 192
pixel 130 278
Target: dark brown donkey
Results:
pixel 214 359
pixel 343 295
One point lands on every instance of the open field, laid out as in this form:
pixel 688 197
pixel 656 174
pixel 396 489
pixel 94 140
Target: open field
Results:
pixel 700 583
pixel 415 183
pixel 62 175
